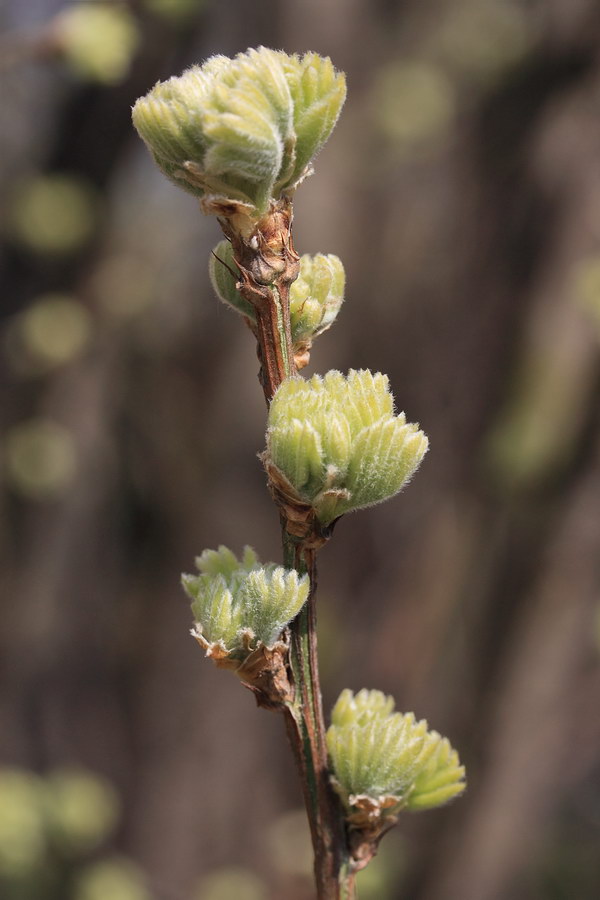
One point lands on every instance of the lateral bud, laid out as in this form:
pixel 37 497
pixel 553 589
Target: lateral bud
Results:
pixel 384 762
pixel 241 609
pixel 337 443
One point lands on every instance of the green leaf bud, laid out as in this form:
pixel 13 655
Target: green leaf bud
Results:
pixel 316 296
pixel 222 268
pixel 241 130
pixel 337 443
pixel 241 604
pixel 383 761
pixel 97 40
pixel 299 454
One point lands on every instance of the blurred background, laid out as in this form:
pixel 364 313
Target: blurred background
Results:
pixel 461 189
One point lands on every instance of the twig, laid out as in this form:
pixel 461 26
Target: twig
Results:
pixel 268 265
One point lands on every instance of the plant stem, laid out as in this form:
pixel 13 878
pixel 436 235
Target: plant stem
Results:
pixel 268 265
pixel 306 730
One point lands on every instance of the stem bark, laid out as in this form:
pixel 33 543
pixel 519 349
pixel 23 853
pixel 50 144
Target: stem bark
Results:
pixel 268 265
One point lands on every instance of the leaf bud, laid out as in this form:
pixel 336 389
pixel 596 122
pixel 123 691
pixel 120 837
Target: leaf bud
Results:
pixel 241 605
pixel 335 443
pixel 97 40
pixel 242 130
pixel 383 762
pixel 222 268
pixel 315 299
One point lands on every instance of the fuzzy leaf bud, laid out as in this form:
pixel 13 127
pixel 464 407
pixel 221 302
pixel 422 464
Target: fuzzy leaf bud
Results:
pixel 383 761
pixel 241 131
pixel 336 443
pixel 241 604
pixel 316 296
pixel 222 268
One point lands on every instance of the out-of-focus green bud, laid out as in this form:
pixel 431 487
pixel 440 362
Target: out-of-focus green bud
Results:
pixel 115 877
pixel 413 103
pixel 241 131
pixel 482 40
pixel 22 831
pixel 53 331
pixel 97 40
pixel 239 605
pixel 335 443
pixel 316 296
pixel 384 761
pixel 222 268
pixel 40 458
pixel 82 809
pixel 53 214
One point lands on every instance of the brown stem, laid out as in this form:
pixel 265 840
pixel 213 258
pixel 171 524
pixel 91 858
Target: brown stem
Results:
pixel 274 361
pixel 306 730
pixel 268 264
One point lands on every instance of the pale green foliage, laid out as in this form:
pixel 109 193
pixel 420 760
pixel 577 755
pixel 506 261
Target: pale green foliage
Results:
pixel 236 600
pixel 378 753
pixel 315 297
pixel 337 441
pixel 244 129
pixel 98 40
